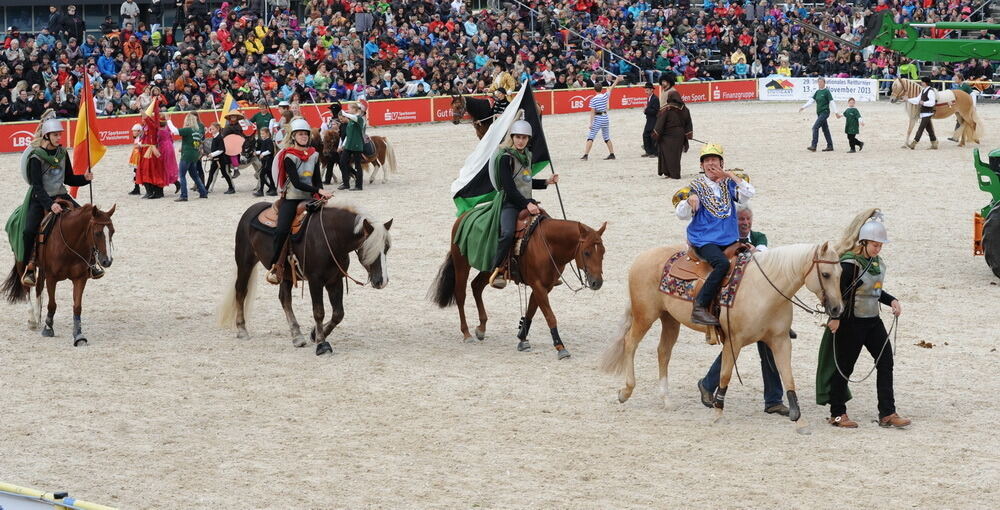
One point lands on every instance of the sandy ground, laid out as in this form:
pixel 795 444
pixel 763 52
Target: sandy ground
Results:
pixel 166 410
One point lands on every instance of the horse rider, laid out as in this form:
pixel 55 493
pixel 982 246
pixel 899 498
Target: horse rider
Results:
pixel 49 171
pixel 860 326
pixel 513 177
pixel 299 178
pixel 500 102
pixel 711 207
pixel 927 100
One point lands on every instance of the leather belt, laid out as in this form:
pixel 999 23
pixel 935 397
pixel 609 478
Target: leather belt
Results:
pixel 600 113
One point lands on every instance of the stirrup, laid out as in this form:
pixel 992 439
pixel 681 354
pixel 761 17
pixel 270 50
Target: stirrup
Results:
pixel 497 280
pixel 272 275
pixel 96 272
pixel 28 279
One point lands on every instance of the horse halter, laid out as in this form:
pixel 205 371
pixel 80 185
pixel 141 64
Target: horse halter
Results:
pixel 329 249
pixel 816 261
pixel 90 233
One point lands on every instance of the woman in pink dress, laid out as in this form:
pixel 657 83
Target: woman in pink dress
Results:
pixel 165 144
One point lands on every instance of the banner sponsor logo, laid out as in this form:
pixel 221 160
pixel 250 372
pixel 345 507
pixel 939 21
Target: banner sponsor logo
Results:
pixel 399 116
pixel 739 90
pixel 693 92
pixel 21 139
pixel 579 102
pixel 114 137
pixel 780 88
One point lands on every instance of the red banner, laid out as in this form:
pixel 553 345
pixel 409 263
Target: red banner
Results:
pixel 441 109
pixel 693 92
pixel 735 90
pixel 544 100
pixel 571 101
pixel 628 97
pixel 399 111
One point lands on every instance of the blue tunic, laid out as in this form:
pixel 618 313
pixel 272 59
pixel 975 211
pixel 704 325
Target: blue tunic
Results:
pixel 711 224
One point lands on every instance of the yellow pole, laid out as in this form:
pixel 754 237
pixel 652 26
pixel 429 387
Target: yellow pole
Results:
pixel 48 497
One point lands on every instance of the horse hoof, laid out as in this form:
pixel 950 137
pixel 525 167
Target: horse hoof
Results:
pixel 622 396
pixel 80 342
pixel 33 326
pixel 480 335
pixel 469 339
pixel 524 346
pixel 243 335
pixel 48 332
pixel 323 348
pixel 299 341
pixel 563 354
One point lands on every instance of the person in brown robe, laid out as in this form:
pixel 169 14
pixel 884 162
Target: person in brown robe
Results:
pixel 672 132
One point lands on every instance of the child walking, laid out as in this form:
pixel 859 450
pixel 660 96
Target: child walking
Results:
pixel 853 117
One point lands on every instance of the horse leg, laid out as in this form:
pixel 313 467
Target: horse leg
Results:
pixel 285 296
pixel 668 337
pixel 781 348
pixel 525 325
pixel 461 279
pixel 245 266
pixel 640 323
pixel 336 292
pixel 478 284
pixel 316 335
pixel 47 330
pixel 541 296
pixel 906 143
pixel 729 355
pixel 79 339
pixel 35 306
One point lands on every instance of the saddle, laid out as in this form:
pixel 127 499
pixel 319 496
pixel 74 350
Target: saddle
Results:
pixel 525 226
pixel 269 217
pixel 369 147
pixel 692 267
pixel 49 220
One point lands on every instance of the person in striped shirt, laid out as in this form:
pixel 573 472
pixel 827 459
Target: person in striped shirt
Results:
pixel 599 118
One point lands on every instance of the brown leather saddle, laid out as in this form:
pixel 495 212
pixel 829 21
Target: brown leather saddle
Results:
pixel 692 267
pixel 525 226
pixel 49 220
pixel 269 217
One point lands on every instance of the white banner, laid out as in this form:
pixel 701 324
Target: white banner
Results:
pixel 782 88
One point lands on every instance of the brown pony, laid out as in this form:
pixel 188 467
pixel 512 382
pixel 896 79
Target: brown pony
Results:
pixel 328 155
pixel 79 239
pixel 481 111
pixel 384 156
pixel 554 244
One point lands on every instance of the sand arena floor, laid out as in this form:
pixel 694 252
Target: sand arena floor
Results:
pixel 166 410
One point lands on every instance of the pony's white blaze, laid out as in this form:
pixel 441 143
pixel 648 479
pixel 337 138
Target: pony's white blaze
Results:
pixel 107 242
pixel 385 268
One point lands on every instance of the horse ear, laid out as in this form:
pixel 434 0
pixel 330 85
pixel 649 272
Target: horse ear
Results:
pixel 367 227
pixel 111 211
pixel 388 224
pixel 600 231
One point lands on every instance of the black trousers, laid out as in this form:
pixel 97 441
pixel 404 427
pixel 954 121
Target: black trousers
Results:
pixel 853 141
pixel 33 222
pixel 265 178
pixel 925 123
pixel 713 254
pixel 350 165
pixel 647 136
pixel 286 214
pixel 221 165
pixel 508 223
pixel 851 337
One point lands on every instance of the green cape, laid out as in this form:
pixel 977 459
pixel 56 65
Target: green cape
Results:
pixel 15 227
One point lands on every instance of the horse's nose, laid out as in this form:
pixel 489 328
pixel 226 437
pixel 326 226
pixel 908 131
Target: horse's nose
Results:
pixel 835 312
pixel 596 284
pixel 107 262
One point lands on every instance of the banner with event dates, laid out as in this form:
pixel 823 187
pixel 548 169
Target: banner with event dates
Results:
pixel 781 88
pixel 15 136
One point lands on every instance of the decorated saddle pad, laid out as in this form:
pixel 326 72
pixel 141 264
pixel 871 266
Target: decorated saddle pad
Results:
pixel 688 289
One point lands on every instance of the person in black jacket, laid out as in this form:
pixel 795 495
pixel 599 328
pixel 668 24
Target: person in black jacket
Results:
pixel 72 24
pixel 55 20
pixel 651 111
pixel 220 161
pixel 265 151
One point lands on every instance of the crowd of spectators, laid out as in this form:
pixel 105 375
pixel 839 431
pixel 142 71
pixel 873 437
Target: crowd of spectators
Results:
pixel 435 47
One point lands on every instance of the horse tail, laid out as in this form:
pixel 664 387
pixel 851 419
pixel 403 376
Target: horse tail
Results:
pixel 442 291
pixel 390 155
pixel 12 288
pixel 978 129
pixel 613 359
pixel 226 312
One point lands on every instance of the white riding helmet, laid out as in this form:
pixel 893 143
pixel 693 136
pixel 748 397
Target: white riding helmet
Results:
pixel 521 127
pixel 873 230
pixel 51 126
pixel 300 125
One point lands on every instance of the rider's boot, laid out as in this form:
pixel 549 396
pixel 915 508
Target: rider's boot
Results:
pixel 701 315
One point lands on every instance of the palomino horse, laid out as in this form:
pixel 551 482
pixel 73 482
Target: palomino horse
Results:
pixel 330 236
pixel 79 239
pixel 762 311
pixel 949 102
pixel 384 156
pixel 554 244
pixel 481 111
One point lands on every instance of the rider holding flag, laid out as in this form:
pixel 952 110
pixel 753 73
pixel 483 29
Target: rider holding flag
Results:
pixel 711 207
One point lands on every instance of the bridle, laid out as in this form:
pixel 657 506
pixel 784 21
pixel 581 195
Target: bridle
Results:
pixel 465 110
pixel 576 271
pixel 90 233
pixel 814 266
pixel 329 249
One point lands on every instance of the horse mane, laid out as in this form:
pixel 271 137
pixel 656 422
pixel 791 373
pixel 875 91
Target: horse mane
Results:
pixel 784 259
pixel 376 242
pixel 850 236
pixel 478 108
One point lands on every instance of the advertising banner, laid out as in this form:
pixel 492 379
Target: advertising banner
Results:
pixel 628 97
pixel 399 111
pixel 571 101
pixel 781 88
pixel 734 90
pixel 693 92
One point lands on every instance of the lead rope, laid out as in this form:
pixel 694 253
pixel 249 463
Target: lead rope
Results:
pixel 892 333
pixel 576 272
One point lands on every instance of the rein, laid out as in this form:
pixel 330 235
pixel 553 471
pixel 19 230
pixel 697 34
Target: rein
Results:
pixel 330 249
pixel 575 270
pixel 795 299
pixel 89 233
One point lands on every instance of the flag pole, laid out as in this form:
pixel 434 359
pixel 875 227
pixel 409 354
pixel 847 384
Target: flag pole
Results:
pixel 86 125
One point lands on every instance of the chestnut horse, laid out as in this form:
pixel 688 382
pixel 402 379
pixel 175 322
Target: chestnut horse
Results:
pixel 554 244
pixel 481 111
pixel 949 102
pixel 384 156
pixel 79 239
pixel 762 312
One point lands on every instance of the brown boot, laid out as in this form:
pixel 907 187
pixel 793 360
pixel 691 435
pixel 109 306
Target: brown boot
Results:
pixel 274 275
pixel 700 315
pixel 894 420
pixel 842 421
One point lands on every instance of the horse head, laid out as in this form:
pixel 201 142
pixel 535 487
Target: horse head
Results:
pixel 823 279
pixel 898 91
pixel 590 255
pixel 458 109
pixel 374 252
pixel 104 231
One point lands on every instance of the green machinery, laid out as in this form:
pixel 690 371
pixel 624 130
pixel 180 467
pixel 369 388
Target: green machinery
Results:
pixel 882 30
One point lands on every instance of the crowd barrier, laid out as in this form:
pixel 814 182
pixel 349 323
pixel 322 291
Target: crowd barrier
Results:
pixel 15 136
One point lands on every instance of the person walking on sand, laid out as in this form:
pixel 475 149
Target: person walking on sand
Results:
pixel 824 105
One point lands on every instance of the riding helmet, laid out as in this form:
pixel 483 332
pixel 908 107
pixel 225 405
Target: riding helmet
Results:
pixel 300 124
pixel 51 126
pixel 711 149
pixel 521 127
pixel 873 230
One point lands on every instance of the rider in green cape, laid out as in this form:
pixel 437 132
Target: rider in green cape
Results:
pixel 513 179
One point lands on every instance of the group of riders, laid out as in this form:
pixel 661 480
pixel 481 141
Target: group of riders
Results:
pixel 710 210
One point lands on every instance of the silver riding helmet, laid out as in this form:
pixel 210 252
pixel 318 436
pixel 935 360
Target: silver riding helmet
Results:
pixel 521 127
pixel 873 230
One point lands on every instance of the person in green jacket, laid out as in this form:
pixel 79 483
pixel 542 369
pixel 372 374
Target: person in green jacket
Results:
pixel 192 135
pixel 908 70
pixel 824 104
pixel 353 146
pixel 853 117
pixel 263 117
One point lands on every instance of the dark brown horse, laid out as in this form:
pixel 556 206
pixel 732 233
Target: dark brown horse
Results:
pixel 383 159
pixel 554 244
pixel 329 237
pixel 79 239
pixel 481 111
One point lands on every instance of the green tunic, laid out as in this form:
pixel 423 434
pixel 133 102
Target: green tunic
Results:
pixel 853 117
pixel 191 143
pixel 965 87
pixel 262 119
pixel 355 139
pixel 823 97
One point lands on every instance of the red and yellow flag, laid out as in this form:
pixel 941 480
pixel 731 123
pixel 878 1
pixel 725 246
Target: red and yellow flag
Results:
pixel 87 146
